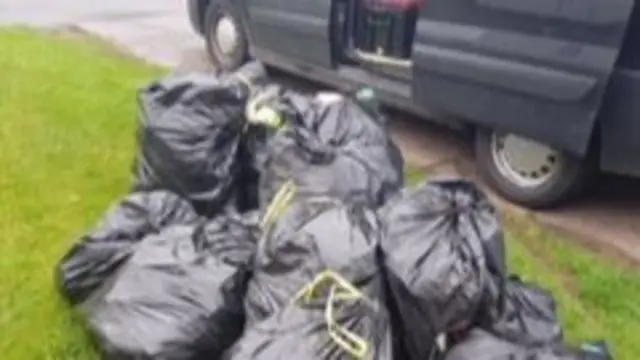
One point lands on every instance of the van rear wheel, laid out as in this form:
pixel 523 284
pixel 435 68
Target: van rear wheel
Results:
pixel 527 172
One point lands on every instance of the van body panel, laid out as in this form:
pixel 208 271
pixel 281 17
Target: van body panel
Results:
pixel 296 29
pixel 619 117
pixel 540 68
pixel 537 81
pixel 535 68
pixel 620 124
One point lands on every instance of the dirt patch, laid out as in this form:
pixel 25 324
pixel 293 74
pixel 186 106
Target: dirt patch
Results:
pixel 597 246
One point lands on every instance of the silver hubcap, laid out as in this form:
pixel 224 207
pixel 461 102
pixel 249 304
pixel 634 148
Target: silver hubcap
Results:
pixel 524 162
pixel 226 35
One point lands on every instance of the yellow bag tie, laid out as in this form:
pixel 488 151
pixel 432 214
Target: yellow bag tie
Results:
pixel 340 290
pixel 278 204
pixel 256 112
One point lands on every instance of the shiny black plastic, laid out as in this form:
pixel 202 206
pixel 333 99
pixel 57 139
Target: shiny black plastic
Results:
pixel 311 236
pixel 338 148
pixel 190 133
pixel 302 332
pixel 444 254
pixel 179 297
pixel 100 253
pixel 481 345
pixel 528 316
pixel 315 238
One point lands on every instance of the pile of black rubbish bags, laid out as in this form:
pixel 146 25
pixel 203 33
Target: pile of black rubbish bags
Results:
pixel 268 224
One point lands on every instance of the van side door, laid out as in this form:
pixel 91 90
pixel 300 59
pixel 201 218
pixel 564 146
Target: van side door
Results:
pixel 293 30
pixel 537 68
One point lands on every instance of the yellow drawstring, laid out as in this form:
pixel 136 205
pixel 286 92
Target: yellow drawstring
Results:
pixel 278 204
pixel 256 112
pixel 340 290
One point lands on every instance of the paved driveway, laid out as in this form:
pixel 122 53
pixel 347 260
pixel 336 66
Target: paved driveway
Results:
pixel 51 12
pixel 158 30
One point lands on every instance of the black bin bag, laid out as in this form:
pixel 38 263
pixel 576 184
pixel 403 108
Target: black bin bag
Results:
pixel 444 257
pixel 329 319
pixel 527 315
pixel 481 345
pixel 179 296
pixel 335 148
pixel 307 236
pixel 99 253
pixel 189 135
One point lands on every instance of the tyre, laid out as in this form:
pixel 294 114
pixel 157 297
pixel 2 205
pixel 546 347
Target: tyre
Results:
pixel 226 40
pixel 529 173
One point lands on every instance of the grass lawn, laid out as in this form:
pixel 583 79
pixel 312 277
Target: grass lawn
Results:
pixel 67 110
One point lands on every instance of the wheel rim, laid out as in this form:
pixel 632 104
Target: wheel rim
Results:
pixel 524 162
pixel 226 35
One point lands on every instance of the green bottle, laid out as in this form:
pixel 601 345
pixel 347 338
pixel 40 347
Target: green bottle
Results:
pixel 367 97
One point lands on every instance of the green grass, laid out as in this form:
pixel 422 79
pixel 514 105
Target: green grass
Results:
pixel 413 177
pixel 67 120
pixel 67 114
pixel 597 298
